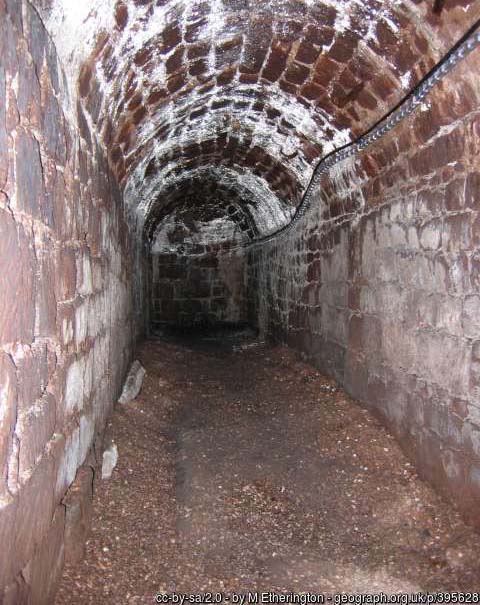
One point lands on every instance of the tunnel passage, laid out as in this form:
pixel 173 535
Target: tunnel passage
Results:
pixel 145 146
pixel 195 234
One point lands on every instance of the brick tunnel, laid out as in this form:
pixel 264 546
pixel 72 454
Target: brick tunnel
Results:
pixel 275 206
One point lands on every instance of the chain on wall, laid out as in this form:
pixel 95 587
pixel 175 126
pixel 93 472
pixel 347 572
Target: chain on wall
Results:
pixel 402 110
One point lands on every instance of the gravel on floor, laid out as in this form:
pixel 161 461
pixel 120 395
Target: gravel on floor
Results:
pixel 241 468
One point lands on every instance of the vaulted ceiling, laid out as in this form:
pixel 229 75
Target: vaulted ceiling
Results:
pixel 247 94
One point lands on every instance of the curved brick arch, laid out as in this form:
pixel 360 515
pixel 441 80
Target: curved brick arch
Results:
pixel 194 204
pixel 203 196
pixel 296 77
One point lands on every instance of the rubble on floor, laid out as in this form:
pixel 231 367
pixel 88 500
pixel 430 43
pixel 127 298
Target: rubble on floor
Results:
pixel 249 470
pixel 133 383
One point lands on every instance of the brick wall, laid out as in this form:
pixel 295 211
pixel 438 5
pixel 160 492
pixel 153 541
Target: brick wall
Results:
pixel 259 91
pixel 379 284
pixel 205 289
pixel 66 328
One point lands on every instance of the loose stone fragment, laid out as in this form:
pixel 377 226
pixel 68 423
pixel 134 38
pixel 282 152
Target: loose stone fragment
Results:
pixel 133 383
pixel 110 459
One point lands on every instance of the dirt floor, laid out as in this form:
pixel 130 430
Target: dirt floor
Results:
pixel 243 469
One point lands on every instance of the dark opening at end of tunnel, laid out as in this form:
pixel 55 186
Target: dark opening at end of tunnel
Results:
pixel 219 337
pixel 198 292
pixel 197 267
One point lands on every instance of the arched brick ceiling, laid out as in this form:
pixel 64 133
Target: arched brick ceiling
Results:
pixel 199 209
pixel 254 89
pixel 201 190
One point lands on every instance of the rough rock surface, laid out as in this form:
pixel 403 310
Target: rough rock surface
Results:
pixel 133 382
pixel 109 460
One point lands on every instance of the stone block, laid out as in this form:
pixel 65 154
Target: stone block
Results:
pixel 472 191
pixel 133 382
pixel 74 385
pixel 172 271
pixel 33 371
pixel 68 463
pixel 35 428
pixel 164 290
pixel 198 288
pixel 34 513
pixel 191 307
pixel 443 359
pixel 65 273
pixel 455 469
pixel 17 266
pixel 3 132
pixel 81 322
pixel 457 232
pixel 476 351
pixel 448 312
pixel 314 271
pixel 471 316
pixel 358 333
pixel 78 515
pixel 8 412
pixel 45 302
pixel 471 437
pixel 65 324
pixel 37 36
pixel 209 261
pixel 29 176
pixel 84 273
pixel 44 571
pixel 430 235
pixel 8 513
pixel 456 194
pixel 53 126
pixel 169 310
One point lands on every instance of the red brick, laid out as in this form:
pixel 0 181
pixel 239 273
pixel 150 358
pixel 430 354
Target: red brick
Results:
pixel 121 15
pixel 84 79
pixel 296 73
pixel 175 60
pixel 307 53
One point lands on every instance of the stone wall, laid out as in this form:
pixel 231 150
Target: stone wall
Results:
pixel 379 283
pixel 66 328
pixel 198 290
